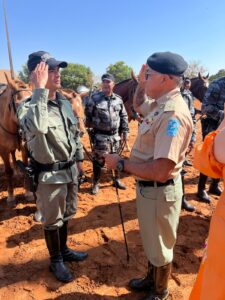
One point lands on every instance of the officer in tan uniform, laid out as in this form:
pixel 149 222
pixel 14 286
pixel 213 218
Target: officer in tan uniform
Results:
pixel 156 162
pixel 52 136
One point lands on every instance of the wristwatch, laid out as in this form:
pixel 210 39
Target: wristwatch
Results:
pixel 120 165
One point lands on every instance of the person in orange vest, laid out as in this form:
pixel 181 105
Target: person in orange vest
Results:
pixel 210 160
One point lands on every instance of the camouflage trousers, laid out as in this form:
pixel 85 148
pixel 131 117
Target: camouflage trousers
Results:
pixel 103 144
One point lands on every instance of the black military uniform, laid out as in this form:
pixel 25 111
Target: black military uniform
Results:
pixel 212 109
pixel 189 100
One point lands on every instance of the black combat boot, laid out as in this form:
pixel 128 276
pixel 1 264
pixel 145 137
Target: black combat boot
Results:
pixel 214 187
pixel 96 177
pixel 67 253
pixel 117 183
pixel 202 194
pixel 57 267
pixel 161 278
pixel 81 178
pixel 187 163
pixel 184 204
pixel 143 284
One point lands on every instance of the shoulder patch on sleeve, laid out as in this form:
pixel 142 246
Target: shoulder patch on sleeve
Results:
pixel 172 127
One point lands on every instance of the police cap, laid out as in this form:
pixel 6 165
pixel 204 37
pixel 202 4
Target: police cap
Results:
pixel 36 57
pixel 167 63
pixel 108 77
pixel 187 80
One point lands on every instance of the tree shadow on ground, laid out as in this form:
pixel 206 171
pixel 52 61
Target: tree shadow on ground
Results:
pixel 99 217
pixel 106 264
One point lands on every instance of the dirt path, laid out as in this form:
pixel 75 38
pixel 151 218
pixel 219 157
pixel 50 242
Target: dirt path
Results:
pixel 96 229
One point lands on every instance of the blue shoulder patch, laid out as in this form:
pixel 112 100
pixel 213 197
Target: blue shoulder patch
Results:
pixel 172 127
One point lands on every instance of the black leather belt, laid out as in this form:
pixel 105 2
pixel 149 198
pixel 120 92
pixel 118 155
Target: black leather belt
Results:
pixel 112 132
pixel 155 183
pixel 61 165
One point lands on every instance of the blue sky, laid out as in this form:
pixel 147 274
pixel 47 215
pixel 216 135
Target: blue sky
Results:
pixel 97 33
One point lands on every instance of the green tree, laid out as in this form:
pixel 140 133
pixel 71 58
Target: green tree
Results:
pixel 24 74
pixel 194 67
pixel 220 73
pixel 119 70
pixel 75 75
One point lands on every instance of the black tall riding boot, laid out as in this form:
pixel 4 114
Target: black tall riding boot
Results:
pixel 161 278
pixel 202 194
pixel 214 187
pixel 143 284
pixel 57 267
pixel 96 177
pixel 185 205
pixel 67 253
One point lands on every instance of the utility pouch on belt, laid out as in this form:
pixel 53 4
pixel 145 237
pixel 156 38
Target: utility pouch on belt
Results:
pixel 31 177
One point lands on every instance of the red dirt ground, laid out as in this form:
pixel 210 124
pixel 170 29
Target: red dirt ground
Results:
pixel 24 273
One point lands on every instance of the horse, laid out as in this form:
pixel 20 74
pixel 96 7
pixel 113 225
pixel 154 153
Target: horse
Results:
pixel 13 94
pixel 199 86
pixel 78 110
pixel 77 106
pixel 126 90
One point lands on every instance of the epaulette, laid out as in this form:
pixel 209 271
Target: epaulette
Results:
pixel 170 105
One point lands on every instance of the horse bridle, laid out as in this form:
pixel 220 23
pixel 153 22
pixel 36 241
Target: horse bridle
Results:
pixel 13 105
pixel 12 102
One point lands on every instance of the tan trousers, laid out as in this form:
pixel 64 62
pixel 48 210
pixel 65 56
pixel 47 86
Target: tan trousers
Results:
pixel 158 211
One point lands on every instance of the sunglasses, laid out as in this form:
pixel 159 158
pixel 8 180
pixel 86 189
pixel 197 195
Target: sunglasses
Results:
pixel 150 74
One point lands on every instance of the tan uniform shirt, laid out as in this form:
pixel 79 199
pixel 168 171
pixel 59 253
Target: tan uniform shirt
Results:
pixel 165 131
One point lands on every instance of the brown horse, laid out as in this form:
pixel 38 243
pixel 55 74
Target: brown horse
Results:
pixel 14 93
pixel 77 106
pixel 126 90
pixel 78 110
pixel 199 86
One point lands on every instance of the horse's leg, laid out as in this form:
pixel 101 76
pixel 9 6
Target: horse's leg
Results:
pixel 15 166
pixel 24 154
pixel 13 154
pixel 9 177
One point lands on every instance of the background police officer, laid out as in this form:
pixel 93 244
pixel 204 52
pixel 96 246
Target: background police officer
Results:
pixel 156 161
pixel 189 99
pixel 107 116
pixel 212 108
pixel 52 136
